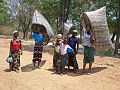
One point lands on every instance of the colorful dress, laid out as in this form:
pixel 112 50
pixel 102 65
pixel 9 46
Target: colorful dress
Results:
pixel 72 61
pixel 56 55
pixel 15 53
pixel 88 48
pixel 38 48
pixel 72 41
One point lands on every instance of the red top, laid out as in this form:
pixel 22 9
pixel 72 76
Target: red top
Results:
pixel 15 45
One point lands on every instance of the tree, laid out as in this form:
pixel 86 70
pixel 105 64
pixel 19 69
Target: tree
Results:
pixel 4 16
pixel 25 17
pixel 118 30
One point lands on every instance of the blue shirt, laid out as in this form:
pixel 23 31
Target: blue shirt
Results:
pixel 38 38
pixel 72 42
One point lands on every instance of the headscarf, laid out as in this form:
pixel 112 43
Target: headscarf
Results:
pixel 14 35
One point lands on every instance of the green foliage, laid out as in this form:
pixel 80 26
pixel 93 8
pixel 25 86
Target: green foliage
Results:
pixel 51 10
pixel 112 11
pixel 107 53
pixel 4 15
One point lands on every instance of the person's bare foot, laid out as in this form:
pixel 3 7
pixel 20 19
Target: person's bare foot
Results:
pixel 39 67
pixel 33 68
pixel 89 72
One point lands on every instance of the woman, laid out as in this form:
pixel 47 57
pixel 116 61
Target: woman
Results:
pixel 38 48
pixel 56 50
pixel 64 55
pixel 88 48
pixel 74 44
pixel 15 50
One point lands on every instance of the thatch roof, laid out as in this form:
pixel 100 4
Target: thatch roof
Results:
pixel 39 20
pixel 97 19
pixel 68 29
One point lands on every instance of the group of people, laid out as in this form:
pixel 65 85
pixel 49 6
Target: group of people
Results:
pixel 64 53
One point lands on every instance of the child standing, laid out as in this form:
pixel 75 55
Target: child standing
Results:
pixel 63 51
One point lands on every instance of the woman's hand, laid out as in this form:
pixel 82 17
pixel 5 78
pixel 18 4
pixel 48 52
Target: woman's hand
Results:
pixel 21 52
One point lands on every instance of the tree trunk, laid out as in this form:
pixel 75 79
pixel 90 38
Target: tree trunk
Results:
pixel 64 11
pixel 61 15
pixel 118 32
pixel 113 36
pixel 67 9
pixel 31 35
pixel 24 35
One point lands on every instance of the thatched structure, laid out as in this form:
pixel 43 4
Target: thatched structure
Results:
pixel 97 20
pixel 38 20
pixel 68 29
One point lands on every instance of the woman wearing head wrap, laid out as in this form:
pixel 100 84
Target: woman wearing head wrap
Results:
pixel 15 50
pixel 74 44
pixel 56 49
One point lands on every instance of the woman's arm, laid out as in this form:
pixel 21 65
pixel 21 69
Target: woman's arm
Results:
pixel 10 48
pixel 77 45
pixel 33 35
pixel 21 47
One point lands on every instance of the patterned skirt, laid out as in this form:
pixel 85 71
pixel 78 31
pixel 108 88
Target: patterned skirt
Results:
pixel 88 54
pixel 37 53
pixel 56 56
pixel 16 57
pixel 72 61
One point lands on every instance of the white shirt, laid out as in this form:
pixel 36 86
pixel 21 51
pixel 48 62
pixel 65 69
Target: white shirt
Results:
pixel 86 39
pixel 63 48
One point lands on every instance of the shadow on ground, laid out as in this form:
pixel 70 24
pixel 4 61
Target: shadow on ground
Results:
pixel 79 72
pixel 29 67
pixel 7 70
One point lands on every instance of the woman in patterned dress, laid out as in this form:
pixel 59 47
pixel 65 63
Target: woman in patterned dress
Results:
pixel 15 51
pixel 38 47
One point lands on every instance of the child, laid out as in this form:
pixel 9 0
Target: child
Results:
pixel 64 55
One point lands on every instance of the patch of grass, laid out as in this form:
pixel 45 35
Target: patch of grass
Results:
pixel 107 53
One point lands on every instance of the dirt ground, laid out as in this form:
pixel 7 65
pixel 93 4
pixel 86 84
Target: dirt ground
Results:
pixel 105 73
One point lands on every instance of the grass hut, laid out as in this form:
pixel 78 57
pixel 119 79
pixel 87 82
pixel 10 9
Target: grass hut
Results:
pixel 98 21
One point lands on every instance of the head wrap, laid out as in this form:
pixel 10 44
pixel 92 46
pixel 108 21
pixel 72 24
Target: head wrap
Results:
pixel 59 36
pixel 74 31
